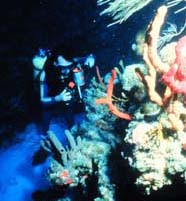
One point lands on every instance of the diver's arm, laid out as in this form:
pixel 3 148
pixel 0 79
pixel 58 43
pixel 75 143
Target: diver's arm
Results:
pixel 47 100
pixel 88 61
pixel 44 90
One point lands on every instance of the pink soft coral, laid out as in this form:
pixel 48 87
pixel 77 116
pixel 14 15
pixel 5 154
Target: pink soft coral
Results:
pixel 175 78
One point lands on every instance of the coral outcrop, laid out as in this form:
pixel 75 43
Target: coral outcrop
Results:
pixel 154 133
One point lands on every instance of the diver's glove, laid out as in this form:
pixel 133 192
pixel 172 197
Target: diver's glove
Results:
pixel 63 96
pixel 90 61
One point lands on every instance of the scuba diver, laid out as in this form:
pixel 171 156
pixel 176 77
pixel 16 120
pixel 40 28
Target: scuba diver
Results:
pixel 61 83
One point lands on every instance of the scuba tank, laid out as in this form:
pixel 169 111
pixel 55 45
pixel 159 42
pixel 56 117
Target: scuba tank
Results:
pixel 39 60
pixel 78 76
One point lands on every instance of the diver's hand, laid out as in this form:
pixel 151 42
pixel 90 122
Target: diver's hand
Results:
pixel 63 96
pixel 90 61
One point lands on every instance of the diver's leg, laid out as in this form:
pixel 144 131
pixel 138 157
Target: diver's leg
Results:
pixel 70 116
pixel 46 118
pixel 42 153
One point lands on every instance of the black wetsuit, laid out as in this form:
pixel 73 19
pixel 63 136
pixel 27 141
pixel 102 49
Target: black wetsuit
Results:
pixel 56 83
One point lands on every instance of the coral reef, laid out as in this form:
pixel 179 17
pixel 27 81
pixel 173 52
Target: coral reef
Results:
pixel 86 162
pixel 157 132
pixel 158 152
pixel 173 76
pixel 144 104
pixel 83 164
pixel 76 162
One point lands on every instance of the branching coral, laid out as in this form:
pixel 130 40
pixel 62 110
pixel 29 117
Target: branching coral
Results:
pixel 121 10
pixel 108 99
pixel 173 76
pixel 171 3
pixel 158 143
pixel 156 149
pixel 169 33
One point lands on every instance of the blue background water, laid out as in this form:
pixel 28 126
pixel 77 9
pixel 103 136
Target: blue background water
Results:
pixel 26 26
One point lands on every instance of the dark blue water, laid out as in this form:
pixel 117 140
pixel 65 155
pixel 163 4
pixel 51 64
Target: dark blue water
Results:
pixel 18 177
